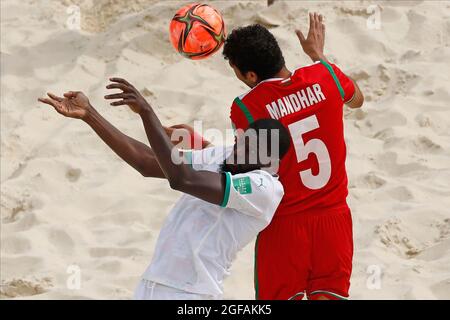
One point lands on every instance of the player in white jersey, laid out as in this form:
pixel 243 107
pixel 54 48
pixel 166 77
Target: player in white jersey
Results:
pixel 199 240
pixel 231 193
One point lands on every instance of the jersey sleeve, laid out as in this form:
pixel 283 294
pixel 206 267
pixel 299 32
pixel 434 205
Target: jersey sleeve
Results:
pixel 255 193
pixel 345 82
pixel 238 119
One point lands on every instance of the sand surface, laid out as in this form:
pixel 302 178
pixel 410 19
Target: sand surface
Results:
pixel 69 206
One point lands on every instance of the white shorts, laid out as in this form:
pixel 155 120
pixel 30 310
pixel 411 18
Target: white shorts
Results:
pixel 149 290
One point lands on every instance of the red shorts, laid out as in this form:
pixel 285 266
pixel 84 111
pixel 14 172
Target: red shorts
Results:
pixel 303 254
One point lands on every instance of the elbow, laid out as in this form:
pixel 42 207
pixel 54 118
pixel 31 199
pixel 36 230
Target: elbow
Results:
pixel 356 103
pixel 182 183
pixel 180 180
pixel 177 183
pixel 145 174
pixel 147 168
pixel 360 102
pixel 144 171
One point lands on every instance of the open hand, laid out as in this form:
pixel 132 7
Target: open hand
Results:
pixel 129 96
pixel 314 43
pixel 74 104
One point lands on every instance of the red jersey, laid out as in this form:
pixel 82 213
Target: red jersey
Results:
pixel 310 105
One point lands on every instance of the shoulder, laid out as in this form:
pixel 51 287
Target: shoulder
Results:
pixel 255 193
pixel 312 68
pixel 260 87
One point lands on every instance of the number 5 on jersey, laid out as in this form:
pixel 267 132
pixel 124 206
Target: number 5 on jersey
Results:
pixel 316 146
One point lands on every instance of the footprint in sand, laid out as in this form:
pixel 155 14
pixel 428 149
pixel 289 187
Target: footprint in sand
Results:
pixel 355 114
pixel 385 81
pixel 434 121
pixel 360 12
pixel 401 193
pixel 444 229
pixel 61 240
pixel 435 251
pixel 417 145
pixel 388 120
pixel 385 134
pixel 112 267
pixel 73 174
pixel 16 204
pixel 410 55
pixel 371 180
pixel 15 244
pixel 388 162
pixel 26 222
pixel 425 145
pixel 24 288
pixel 393 236
pixel 441 290
pixel 379 122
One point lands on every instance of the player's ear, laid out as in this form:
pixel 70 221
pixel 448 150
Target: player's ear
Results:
pixel 251 77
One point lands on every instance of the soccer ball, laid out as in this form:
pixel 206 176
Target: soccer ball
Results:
pixel 197 31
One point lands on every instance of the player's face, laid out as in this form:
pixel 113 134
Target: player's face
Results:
pixel 250 78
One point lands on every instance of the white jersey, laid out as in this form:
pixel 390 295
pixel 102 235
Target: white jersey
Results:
pixel 199 240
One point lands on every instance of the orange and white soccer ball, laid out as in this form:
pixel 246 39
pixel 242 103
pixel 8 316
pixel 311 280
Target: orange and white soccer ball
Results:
pixel 197 31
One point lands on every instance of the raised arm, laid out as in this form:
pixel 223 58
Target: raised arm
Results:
pixel 206 185
pixel 136 154
pixel 313 45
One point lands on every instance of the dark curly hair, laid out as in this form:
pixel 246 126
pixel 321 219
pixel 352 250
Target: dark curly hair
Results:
pixel 254 48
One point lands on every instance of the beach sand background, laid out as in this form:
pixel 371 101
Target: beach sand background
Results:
pixel 70 207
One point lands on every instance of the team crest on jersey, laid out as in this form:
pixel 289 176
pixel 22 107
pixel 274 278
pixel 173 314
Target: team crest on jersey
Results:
pixel 242 185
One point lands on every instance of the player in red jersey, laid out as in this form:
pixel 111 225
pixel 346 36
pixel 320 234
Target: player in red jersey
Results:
pixel 308 247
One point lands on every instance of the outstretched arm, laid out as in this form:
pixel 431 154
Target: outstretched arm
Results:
pixel 313 45
pixel 206 185
pixel 136 154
